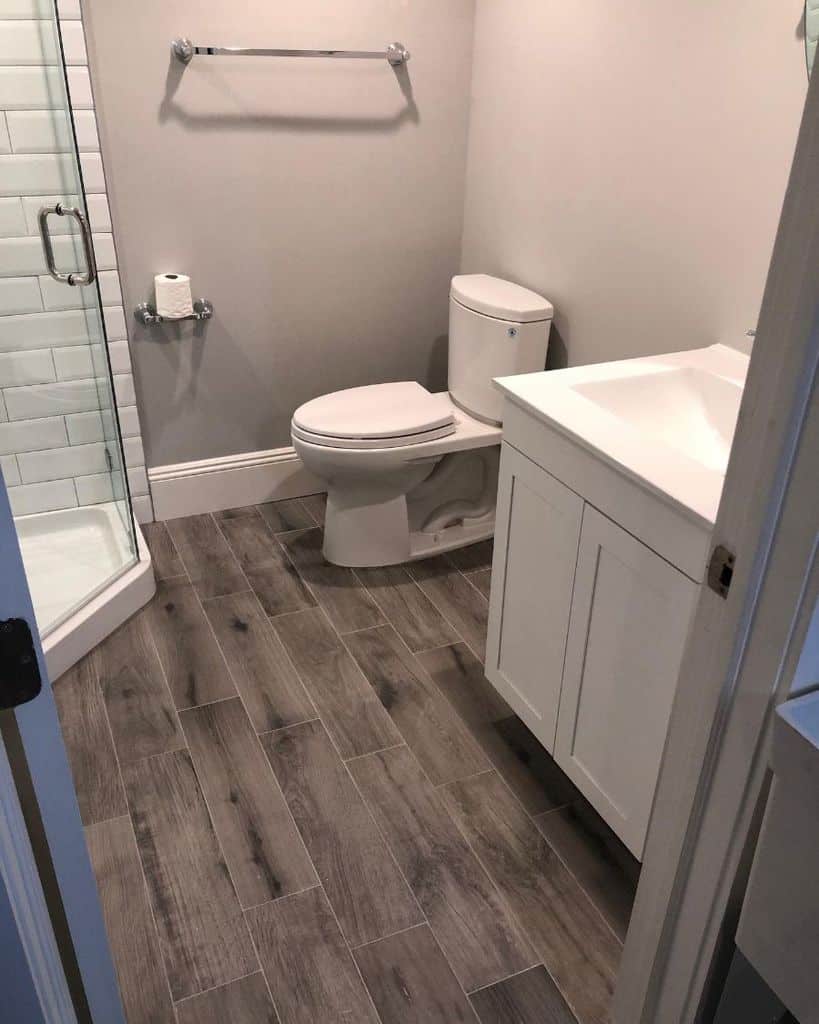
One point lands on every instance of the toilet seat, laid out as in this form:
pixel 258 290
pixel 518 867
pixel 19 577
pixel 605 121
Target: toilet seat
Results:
pixel 375 416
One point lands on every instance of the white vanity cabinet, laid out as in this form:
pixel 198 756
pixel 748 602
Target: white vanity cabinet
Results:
pixel 586 633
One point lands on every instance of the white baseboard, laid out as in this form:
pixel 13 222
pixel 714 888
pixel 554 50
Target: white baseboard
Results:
pixel 229 482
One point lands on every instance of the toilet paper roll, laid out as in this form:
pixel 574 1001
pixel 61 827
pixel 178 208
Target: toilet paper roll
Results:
pixel 173 296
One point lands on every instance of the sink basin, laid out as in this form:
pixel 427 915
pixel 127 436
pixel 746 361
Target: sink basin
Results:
pixel 691 410
pixel 666 421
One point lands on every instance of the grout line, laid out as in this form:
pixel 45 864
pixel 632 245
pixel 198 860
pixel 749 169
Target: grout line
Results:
pixel 281 899
pixel 290 725
pixel 391 935
pixel 213 988
pixel 515 974
pixel 372 753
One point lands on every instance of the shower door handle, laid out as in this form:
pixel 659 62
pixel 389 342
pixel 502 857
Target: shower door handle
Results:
pixel 90 274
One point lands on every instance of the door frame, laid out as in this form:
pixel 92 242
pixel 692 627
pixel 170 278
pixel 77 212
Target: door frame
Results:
pixel 742 651
pixel 43 857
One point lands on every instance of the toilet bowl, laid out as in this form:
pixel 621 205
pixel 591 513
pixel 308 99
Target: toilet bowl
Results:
pixel 410 473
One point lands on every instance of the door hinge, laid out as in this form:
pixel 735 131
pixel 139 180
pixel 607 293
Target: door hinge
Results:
pixel 721 570
pixel 19 671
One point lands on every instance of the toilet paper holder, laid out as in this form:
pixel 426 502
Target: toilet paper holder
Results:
pixel 146 313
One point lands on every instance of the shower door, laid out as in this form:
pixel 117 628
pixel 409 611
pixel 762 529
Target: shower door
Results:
pixel 60 448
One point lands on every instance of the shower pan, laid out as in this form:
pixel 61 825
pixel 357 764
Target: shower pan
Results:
pixel 61 453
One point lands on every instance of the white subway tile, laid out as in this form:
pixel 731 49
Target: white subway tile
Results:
pixel 67 9
pixel 33 174
pixel 20 368
pixel 123 389
pixel 28 9
pixel 28 403
pixel 56 225
pixel 44 330
pixel 85 427
pixel 58 295
pixel 110 290
pixel 21 257
pixel 28 42
pixel 104 251
pixel 12 218
pixel 18 295
pixel 77 460
pixel 49 131
pixel 5 141
pixel 119 356
pixel 79 88
pixel 115 323
pixel 4 416
pixel 74 363
pixel 98 212
pixel 92 174
pixel 91 490
pixel 134 453
pixel 128 420
pixel 11 471
pixel 46 497
pixel 137 479
pixel 33 435
pixel 28 88
pixel 143 508
pixel 73 42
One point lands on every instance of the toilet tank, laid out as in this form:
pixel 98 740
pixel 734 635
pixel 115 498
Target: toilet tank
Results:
pixel 496 328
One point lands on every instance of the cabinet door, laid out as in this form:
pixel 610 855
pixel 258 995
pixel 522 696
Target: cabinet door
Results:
pixel 536 536
pixel 630 615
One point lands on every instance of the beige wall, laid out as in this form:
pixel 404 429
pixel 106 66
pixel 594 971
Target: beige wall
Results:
pixel 318 204
pixel 628 160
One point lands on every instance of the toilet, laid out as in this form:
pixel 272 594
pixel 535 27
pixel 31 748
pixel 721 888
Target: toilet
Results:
pixel 408 473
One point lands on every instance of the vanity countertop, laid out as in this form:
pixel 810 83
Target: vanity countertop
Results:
pixel 665 421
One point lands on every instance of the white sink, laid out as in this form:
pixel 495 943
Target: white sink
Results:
pixel 666 421
pixel 691 410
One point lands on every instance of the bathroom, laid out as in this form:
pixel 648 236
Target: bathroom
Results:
pixel 334 753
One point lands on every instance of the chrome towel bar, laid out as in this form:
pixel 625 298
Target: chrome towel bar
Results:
pixel 184 50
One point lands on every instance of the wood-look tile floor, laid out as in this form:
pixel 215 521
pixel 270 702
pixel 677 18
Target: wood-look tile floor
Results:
pixel 304 802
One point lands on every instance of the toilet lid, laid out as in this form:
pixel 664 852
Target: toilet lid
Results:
pixel 376 412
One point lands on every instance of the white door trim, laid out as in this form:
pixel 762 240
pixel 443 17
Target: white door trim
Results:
pixel 740 649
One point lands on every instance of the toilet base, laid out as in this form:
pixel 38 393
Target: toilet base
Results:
pixel 425 545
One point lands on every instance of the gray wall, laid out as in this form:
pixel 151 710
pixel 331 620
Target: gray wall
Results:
pixel 318 204
pixel 628 160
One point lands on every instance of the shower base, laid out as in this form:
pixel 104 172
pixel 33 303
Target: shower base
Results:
pixel 83 578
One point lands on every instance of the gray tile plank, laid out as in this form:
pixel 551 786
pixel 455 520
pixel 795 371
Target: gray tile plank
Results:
pixel 140 710
pixel 456 599
pixel 316 505
pixel 473 556
pixel 262 847
pixel 346 601
pixel 283 516
pixel 352 713
pixel 88 743
pixel 473 926
pixel 364 886
pixel 245 1001
pixel 235 513
pixel 203 936
pixel 210 564
pixel 270 573
pixel 411 982
pixel 525 766
pixel 425 718
pixel 416 620
pixel 481 580
pixel 575 944
pixel 307 962
pixel 263 673
pixel 128 922
pixel 193 664
pixel 528 998
pixel 164 556
pixel 605 869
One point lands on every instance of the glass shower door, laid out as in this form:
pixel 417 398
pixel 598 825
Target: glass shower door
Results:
pixel 60 448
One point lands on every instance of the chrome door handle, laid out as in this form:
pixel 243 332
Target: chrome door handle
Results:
pixel 85 234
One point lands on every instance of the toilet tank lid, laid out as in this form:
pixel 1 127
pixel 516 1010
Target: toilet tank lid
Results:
pixel 502 299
